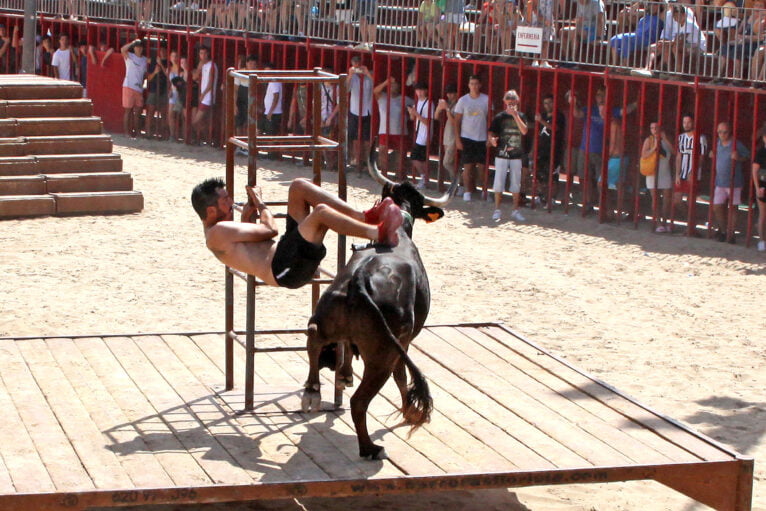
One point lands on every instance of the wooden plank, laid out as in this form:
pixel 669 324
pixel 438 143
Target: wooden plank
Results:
pixel 657 423
pixel 412 458
pixel 190 430
pixel 52 445
pixel 101 464
pixel 148 428
pixel 262 427
pixel 563 403
pixel 527 407
pixel 583 398
pixel 25 469
pixel 221 422
pixel 145 471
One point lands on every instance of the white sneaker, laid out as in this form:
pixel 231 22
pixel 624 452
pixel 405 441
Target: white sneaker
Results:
pixel 496 215
pixel 516 215
pixel 762 246
pixel 467 196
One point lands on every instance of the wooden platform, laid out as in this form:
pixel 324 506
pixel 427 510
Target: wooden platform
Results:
pixel 118 421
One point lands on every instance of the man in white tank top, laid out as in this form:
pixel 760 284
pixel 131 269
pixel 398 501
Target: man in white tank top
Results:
pixel 208 78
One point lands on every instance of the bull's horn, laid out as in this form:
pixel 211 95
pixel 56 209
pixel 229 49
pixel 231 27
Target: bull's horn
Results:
pixel 372 166
pixel 440 202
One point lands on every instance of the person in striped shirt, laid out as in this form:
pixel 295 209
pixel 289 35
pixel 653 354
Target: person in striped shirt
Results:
pixel 685 159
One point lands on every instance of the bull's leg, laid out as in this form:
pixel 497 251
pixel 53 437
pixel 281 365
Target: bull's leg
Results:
pixel 346 372
pixel 312 399
pixel 375 376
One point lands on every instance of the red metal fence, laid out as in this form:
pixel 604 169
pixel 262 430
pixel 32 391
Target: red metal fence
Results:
pixel 657 100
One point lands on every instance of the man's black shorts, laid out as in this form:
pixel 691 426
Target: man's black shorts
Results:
pixel 295 260
pixel 353 127
pixel 418 153
pixel 473 151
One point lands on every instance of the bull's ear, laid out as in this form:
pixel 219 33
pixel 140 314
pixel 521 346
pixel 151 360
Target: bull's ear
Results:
pixel 432 213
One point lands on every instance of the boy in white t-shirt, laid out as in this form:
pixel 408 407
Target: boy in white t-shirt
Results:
pixel 471 113
pixel 421 113
pixel 133 86
pixel 63 61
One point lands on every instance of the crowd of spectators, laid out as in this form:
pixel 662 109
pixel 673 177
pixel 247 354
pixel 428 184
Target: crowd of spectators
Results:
pixel 529 152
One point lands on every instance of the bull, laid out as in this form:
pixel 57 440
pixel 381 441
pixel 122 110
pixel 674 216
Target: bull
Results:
pixel 375 307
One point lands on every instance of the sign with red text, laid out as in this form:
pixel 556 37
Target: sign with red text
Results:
pixel 529 39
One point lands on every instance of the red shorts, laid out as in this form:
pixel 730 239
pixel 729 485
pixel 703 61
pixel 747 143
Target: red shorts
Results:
pixel 685 186
pixel 132 98
pixel 203 107
pixel 394 142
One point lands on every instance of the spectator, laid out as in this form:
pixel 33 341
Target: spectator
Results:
pixel 177 76
pixel 547 143
pixel 344 17
pixel 575 127
pixel 329 109
pixel 82 66
pixel 680 40
pixel 207 74
pixel 759 184
pixel 367 10
pixel 454 16
pixel 647 32
pixel 421 113
pixel 428 15
pixel 359 83
pixel 506 133
pixel 392 131
pixel 157 94
pixel 541 13
pixel 5 45
pixel 684 161
pixel 471 113
pixel 64 62
pixel 662 180
pixel 272 109
pixel 589 26
pixel 103 48
pixel 449 156
pixel 297 117
pixel 744 43
pixel 242 94
pixel 132 86
pixel 619 162
pixel 729 180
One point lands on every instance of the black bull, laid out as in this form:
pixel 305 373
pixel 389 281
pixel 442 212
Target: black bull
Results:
pixel 375 307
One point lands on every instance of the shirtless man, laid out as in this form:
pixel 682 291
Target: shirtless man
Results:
pixel 250 247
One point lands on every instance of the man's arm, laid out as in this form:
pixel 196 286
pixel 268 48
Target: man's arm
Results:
pixel 223 235
pixel 126 47
pixel 379 87
pixel 273 106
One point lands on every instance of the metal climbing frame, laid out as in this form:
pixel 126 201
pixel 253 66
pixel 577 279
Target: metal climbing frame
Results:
pixel 253 142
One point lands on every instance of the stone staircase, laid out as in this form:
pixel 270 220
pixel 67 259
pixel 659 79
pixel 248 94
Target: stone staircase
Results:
pixel 54 158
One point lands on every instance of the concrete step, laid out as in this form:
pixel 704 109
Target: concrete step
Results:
pixel 43 89
pixel 59 163
pixel 15 206
pixel 98 202
pixel 24 108
pixel 18 166
pixel 89 182
pixel 77 163
pixel 23 185
pixel 50 126
pixel 59 144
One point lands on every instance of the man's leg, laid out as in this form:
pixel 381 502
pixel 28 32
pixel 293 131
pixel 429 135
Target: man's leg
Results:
pixel 128 112
pixel 303 194
pixel 314 226
pixel 469 183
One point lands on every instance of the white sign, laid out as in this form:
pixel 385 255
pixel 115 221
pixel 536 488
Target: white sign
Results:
pixel 529 39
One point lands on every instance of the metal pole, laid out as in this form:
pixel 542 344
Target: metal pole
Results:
pixel 28 54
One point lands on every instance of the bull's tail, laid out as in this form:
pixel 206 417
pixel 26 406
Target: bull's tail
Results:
pixel 416 410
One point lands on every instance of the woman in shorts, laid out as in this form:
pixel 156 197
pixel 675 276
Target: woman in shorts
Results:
pixel 662 180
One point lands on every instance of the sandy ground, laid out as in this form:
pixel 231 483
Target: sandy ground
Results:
pixel 676 322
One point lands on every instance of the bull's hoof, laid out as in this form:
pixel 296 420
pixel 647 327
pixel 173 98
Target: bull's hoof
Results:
pixel 345 382
pixel 311 401
pixel 377 452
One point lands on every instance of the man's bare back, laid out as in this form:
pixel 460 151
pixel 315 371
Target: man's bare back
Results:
pixel 246 246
